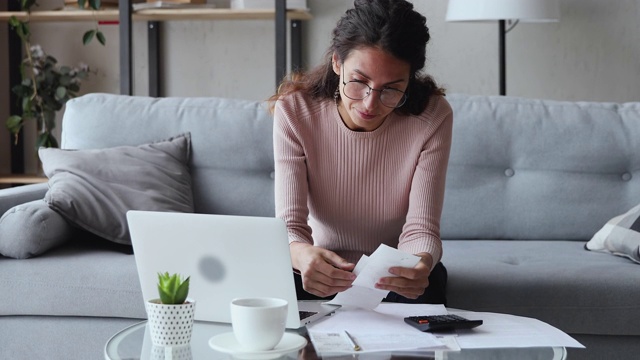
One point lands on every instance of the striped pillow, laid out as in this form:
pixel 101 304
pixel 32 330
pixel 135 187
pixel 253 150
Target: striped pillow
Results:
pixel 619 236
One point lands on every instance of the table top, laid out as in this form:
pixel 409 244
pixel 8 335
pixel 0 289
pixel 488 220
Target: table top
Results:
pixel 134 342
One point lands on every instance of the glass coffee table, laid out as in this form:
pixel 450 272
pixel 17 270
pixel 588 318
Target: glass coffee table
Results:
pixel 134 342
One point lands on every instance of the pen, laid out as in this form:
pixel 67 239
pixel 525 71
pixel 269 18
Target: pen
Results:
pixel 356 347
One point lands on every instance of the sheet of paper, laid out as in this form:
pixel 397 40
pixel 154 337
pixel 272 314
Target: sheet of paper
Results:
pixel 502 330
pixel 369 270
pixel 381 329
pixel 358 296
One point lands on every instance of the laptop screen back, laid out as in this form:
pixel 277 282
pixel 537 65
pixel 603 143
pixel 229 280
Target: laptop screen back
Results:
pixel 227 257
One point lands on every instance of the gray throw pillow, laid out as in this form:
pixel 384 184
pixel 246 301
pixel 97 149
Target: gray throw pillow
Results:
pixel 29 229
pixel 93 189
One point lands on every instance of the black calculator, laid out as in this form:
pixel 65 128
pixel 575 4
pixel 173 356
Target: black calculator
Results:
pixel 435 323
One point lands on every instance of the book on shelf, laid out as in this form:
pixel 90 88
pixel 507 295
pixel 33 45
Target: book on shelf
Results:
pixel 267 4
pixel 166 4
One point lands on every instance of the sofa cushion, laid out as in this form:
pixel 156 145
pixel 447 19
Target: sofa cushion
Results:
pixel 94 188
pixel 30 229
pixel 619 236
pixel 87 276
pixel 519 168
pixel 232 166
pixel 558 282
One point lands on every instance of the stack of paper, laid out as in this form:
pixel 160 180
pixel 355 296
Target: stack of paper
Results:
pixel 369 270
pixel 384 330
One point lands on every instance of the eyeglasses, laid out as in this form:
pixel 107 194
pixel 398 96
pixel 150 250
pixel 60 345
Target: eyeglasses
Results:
pixel 358 90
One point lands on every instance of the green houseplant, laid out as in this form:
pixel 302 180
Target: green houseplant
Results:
pixel 46 86
pixel 44 90
pixel 172 289
pixel 171 315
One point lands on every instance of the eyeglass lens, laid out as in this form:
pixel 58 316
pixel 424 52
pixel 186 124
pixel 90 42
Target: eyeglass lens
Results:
pixel 357 90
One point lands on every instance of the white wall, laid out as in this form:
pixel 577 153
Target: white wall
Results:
pixel 592 54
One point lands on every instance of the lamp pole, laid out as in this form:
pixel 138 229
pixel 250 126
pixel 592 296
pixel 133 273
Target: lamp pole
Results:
pixel 503 56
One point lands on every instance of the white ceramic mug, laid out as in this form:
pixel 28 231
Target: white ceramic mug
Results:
pixel 258 323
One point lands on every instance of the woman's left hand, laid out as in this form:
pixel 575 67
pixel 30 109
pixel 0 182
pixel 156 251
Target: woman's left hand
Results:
pixel 408 282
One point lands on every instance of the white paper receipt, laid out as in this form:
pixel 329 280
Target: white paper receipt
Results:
pixel 369 270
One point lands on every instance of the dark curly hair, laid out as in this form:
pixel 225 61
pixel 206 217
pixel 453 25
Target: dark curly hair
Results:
pixel 391 25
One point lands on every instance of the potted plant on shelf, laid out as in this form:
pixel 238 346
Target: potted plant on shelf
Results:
pixel 171 315
pixel 45 86
pixel 44 90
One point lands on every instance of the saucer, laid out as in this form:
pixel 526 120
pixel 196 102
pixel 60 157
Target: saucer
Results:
pixel 227 343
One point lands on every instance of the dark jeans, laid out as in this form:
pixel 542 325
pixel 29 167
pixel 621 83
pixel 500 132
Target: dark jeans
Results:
pixel 434 294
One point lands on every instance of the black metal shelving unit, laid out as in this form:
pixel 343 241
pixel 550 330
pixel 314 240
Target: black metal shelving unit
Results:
pixel 154 28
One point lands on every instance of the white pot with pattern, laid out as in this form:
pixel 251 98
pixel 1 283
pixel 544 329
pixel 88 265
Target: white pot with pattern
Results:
pixel 170 325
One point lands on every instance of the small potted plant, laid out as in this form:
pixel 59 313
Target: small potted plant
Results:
pixel 171 316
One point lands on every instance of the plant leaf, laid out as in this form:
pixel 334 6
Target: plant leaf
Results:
pixel 95 4
pixel 172 285
pixel 101 37
pixel 26 106
pixel 53 142
pixel 14 124
pixel 165 298
pixel 24 29
pixel 88 36
pixel 46 139
pixel 81 3
pixel 172 289
pixel 182 292
pixel 14 22
pixel 61 92
pixel 27 4
pixel 65 80
pixel 21 28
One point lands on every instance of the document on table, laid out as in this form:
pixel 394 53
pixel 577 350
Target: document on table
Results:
pixel 502 330
pixel 381 329
pixel 369 270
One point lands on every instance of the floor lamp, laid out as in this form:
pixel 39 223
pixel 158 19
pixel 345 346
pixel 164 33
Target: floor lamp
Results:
pixel 503 11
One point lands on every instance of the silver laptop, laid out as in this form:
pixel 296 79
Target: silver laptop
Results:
pixel 227 257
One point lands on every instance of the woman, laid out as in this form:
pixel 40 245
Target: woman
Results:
pixel 361 149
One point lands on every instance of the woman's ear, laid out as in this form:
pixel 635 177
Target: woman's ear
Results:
pixel 335 62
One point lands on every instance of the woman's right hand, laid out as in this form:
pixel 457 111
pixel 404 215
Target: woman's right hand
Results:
pixel 323 272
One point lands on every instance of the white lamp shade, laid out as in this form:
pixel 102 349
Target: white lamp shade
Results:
pixel 485 10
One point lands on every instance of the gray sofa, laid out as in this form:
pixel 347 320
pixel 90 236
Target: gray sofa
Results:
pixel 529 182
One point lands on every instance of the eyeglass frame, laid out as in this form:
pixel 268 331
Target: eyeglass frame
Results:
pixel 402 102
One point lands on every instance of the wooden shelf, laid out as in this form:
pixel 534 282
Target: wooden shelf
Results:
pixel 22 179
pixel 154 15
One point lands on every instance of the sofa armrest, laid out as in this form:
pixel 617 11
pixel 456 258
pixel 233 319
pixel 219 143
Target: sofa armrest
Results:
pixel 18 195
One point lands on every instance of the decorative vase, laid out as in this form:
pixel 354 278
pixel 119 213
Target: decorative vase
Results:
pixel 170 325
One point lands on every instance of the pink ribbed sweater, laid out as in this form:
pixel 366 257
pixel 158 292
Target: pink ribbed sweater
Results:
pixel 357 190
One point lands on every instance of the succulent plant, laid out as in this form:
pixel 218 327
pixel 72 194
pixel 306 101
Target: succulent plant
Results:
pixel 172 289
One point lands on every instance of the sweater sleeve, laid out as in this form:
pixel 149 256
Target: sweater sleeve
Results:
pixel 421 232
pixel 291 186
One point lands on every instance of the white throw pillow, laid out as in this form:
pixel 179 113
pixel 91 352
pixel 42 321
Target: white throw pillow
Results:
pixel 619 236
